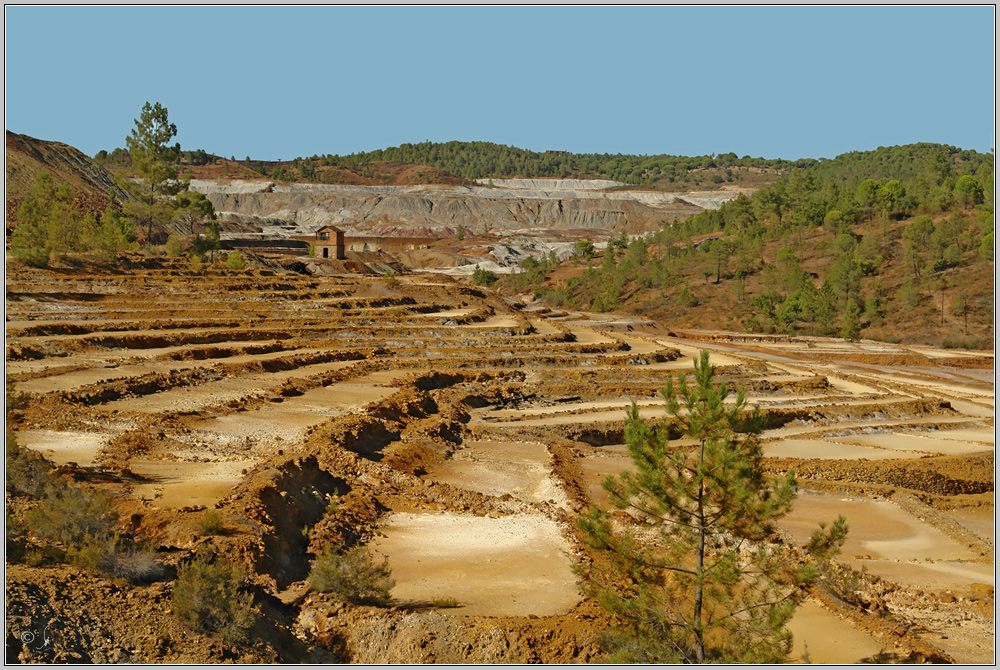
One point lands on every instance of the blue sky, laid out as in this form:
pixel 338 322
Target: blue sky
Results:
pixel 278 82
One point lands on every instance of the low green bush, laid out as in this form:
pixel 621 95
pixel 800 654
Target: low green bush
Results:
pixel 354 576
pixel 27 471
pixel 484 277
pixel 235 261
pixel 71 514
pixel 118 559
pixel 211 523
pixel 210 597
pixel 445 602
pixel 965 343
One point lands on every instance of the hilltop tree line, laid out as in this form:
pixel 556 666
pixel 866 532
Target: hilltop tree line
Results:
pixel 485 160
pixel 930 213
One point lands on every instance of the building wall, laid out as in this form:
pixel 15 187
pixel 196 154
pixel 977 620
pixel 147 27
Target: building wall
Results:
pixel 373 243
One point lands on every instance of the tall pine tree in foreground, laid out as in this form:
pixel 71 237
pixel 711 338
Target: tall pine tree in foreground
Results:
pixel 703 576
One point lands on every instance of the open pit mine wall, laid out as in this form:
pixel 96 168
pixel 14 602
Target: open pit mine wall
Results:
pixel 301 209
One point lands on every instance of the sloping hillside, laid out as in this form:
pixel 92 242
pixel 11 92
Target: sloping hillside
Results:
pixel 27 156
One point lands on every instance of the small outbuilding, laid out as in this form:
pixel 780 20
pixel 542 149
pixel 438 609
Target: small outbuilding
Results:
pixel 329 243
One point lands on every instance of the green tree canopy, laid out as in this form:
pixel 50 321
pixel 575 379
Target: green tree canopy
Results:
pixel 192 208
pixel 153 161
pixel 711 586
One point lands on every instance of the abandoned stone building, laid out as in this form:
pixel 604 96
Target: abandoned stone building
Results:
pixel 329 242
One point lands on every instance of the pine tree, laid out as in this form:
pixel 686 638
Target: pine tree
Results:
pixel 704 579
pixel 153 160
pixel 113 234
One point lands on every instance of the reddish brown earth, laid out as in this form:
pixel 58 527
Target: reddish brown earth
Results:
pixel 27 156
pixel 436 411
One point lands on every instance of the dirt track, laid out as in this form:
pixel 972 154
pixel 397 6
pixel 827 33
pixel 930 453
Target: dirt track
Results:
pixel 449 419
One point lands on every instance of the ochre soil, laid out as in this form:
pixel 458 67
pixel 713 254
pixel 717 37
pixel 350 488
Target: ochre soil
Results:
pixel 448 421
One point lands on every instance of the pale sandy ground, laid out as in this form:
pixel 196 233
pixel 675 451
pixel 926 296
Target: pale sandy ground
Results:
pixel 71 381
pixel 65 446
pixel 445 313
pixel 190 398
pixel 611 459
pixel 521 469
pixel 224 447
pixel 176 484
pixel 510 566
pixel 981 521
pixel 506 566
pixel 829 639
pixel 915 444
pixel 290 419
pixel 889 542
pixel 831 450
pixel 114 357
pixel 494 322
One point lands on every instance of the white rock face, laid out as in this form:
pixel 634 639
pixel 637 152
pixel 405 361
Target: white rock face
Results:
pixel 537 204
pixel 553 184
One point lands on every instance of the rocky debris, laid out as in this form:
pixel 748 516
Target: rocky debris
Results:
pixel 61 614
pixel 937 475
pixel 368 635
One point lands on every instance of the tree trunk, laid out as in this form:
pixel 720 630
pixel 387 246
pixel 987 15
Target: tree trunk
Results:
pixel 699 643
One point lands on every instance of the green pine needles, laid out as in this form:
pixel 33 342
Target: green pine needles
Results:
pixel 704 578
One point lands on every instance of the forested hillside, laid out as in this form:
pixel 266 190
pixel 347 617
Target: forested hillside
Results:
pixel 826 250
pixel 454 162
pixel 469 161
pixel 482 160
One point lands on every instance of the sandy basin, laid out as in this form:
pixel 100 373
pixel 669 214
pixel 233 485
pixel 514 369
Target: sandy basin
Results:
pixel 889 542
pixel 832 450
pixel 509 566
pixel 176 484
pixel 290 419
pixel 495 468
pixel 914 444
pixel 828 638
pixel 608 460
pixel 64 446
pixel 190 398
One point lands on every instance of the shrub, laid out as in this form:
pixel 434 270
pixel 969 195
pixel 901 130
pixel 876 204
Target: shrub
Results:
pixel 211 523
pixel 115 558
pixel 16 542
pixel 390 279
pixel 235 261
pixel 965 343
pixel 445 602
pixel 208 595
pixel 71 514
pixel 174 246
pixel 353 576
pixel 484 277
pixel 687 298
pixel 15 399
pixel 27 471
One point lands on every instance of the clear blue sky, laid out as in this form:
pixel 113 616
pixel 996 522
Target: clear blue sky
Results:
pixel 275 82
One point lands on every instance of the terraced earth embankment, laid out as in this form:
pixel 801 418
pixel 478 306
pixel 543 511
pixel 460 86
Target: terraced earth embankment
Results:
pixel 459 433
